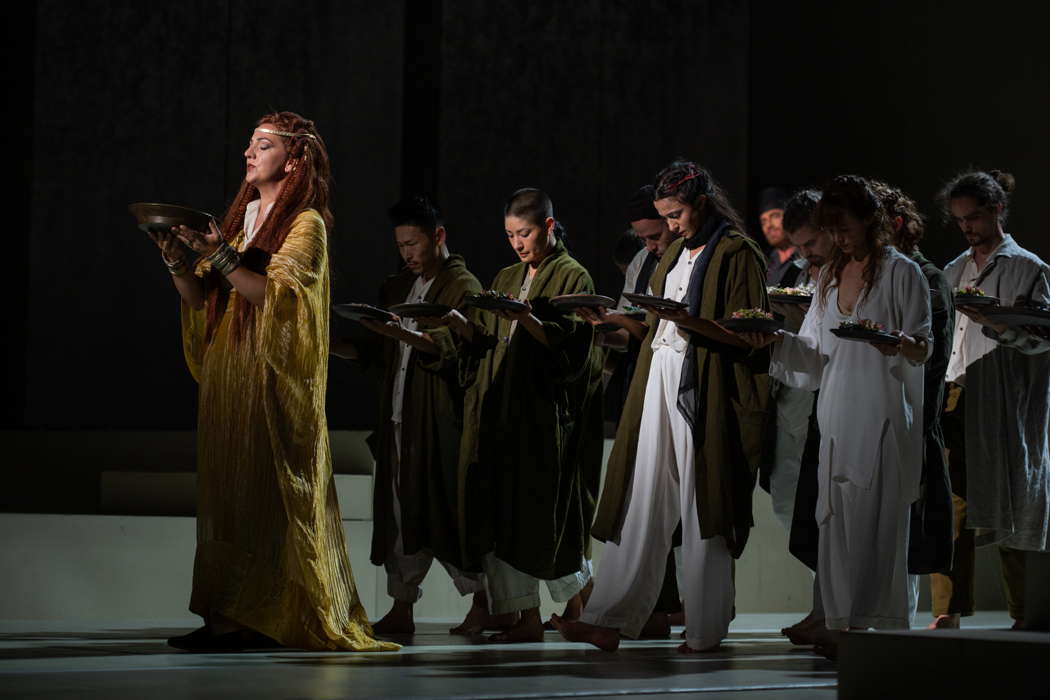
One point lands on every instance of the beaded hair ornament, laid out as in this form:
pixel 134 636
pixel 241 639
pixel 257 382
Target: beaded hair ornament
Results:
pixel 285 133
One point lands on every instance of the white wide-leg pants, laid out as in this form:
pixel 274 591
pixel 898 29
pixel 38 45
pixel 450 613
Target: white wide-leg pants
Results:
pixel 663 489
pixel 862 562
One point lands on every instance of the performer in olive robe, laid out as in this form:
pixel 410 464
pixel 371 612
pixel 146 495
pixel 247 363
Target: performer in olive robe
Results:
pixel 530 460
pixel 689 440
pixel 420 421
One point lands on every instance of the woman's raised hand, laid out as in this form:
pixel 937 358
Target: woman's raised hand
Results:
pixel 200 243
pixel 169 246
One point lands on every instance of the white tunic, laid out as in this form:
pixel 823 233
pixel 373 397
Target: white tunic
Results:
pixel 870 416
pixel 866 399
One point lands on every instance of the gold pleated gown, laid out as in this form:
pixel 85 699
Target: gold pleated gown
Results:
pixel 271 554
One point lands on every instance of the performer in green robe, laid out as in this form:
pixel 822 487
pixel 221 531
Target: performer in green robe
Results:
pixel 689 440
pixel 530 460
pixel 420 421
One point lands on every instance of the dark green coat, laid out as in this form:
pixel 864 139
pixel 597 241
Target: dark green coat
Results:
pixel 432 421
pixel 530 462
pixel 730 423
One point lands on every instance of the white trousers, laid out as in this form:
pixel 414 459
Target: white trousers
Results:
pixel 662 491
pixel 863 557
pixel 405 572
pixel 794 407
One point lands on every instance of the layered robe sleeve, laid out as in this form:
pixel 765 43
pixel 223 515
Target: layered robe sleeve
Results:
pixel 798 359
pixel 532 419
pixel 431 431
pixel 271 553
pixel 732 392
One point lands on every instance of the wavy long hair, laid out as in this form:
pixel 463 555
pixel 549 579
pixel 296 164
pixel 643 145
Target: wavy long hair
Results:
pixel 907 236
pixel 854 195
pixel 307 186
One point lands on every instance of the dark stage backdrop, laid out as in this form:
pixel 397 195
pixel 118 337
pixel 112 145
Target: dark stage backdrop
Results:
pixel 130 101
pixel 155 102
pixel 908 92
pixel 587 101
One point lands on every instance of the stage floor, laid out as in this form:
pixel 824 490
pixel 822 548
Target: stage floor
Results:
pixel 130 660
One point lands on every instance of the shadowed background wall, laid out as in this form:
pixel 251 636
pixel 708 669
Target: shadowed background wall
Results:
pixel 468 100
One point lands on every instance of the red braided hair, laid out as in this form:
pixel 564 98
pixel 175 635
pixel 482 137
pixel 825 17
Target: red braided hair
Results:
pixel 305 187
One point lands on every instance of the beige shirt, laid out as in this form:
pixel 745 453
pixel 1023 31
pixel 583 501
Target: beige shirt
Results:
pixel 417 295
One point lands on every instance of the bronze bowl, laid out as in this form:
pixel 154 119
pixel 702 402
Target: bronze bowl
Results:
pixel 154 217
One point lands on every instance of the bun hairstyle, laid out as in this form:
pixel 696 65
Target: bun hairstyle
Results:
pixel 535 206
pixel 686 181
pixel 988 188
pixel 897 204
pixel 800 210
pixel 416 210
pixel 854 195
pixel 307 186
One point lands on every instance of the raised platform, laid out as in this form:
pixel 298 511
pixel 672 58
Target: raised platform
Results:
pixel 966 663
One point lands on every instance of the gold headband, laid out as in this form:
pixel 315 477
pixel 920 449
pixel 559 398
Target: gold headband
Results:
pixel 284 133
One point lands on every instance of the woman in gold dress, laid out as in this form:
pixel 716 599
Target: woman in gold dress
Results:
pixel 271 565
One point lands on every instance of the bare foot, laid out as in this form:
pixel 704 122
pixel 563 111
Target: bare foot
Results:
pixel 574 606
pixel 656 627
pixel 808 621
pixel 826 642
pixel 945 622
pixel 397 621
pixel 806 632
pixel 479 619
pixel 605 638
pixel 529 628
pixel 684 648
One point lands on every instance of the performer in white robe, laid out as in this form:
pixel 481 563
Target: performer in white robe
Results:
pixel 869 410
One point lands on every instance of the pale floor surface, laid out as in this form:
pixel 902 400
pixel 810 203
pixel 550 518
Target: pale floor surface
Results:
pixel 125 660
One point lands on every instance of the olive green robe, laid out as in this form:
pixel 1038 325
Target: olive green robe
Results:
pixel 734 388
pixel 432 421
pixel 530 461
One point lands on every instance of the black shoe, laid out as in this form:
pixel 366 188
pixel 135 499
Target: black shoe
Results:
pixel 202 641
pixel 197 640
